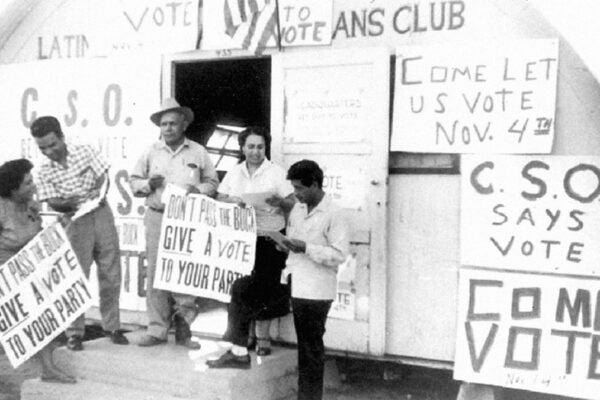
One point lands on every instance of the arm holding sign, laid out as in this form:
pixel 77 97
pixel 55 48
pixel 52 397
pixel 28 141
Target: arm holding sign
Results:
pixel 21 222
pixel 208 178
pixel 225 198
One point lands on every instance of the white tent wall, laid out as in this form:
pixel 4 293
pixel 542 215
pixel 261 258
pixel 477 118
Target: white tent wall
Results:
pixel 423 208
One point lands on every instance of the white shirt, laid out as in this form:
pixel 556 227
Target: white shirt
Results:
pixel 327 238
pixel 188 164
pixel 270 179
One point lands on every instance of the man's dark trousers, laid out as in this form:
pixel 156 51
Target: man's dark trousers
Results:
pixel 309 321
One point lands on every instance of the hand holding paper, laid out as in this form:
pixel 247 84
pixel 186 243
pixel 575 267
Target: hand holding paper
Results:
pixel 278 238
pixel 293 245
pixel 274 201
pixel 257 200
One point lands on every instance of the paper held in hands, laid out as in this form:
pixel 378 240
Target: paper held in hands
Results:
pixel 277 237
pixel 91 204
pixel 258 200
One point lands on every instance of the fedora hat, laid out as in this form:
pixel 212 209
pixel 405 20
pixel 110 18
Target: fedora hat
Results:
pixel 170 104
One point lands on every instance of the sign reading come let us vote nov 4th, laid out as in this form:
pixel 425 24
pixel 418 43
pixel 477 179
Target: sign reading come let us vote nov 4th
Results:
pixel 42 291
pixel 529 282
pixel 473 98
pixel 204 245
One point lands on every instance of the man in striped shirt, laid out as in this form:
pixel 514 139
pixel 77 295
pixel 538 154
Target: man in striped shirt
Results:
pixel 72 175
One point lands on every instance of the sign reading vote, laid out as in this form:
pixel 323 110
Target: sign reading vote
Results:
pixel 531 213
pixel 538 332
pixel 204 245
pixel 42 291
pixel 471 99
pixel 529 287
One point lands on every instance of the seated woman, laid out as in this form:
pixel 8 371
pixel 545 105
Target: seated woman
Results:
pixel 260 296
pixel 20 221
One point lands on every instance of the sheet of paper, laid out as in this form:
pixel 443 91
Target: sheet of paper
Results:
pixel 257 200
pixel 277 237
pixel 92 204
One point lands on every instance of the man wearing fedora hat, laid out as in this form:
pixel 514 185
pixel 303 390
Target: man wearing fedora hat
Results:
pixel 177 160
pixel 72 175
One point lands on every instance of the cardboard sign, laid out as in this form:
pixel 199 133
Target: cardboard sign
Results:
pixel 344 304
pixel 42 291
pixel 496 98
pixel 529 289
pixel 531 213
pixel 98 28
pixel 529 331
pixel 305 22
pixel 204 245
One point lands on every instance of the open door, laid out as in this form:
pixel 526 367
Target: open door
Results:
pixel 332 106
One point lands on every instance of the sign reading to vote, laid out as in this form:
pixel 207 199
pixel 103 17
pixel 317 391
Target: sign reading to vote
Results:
pixel 42 291
pixel 471 99
pixel 531 213
pixel 204 245
pixel 305 22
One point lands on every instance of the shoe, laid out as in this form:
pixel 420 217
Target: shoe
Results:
pixel 58 378
pixel 117 337
pixel 188 343
pixel 263 351
pixel 75 343
pixel 149 341
pixel 230 360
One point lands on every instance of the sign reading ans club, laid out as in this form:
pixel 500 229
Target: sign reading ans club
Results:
pixel 204 245
pixel 42 291
pixel 471 99
pixel 529 285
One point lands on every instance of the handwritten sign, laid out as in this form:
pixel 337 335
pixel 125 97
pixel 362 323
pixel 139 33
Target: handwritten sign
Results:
pixel 474 99
pixel 204 245
pixel 377 22
pixel 529 331
pixel 529 290
pixel 344 304
pixel 42 290
pixel 531 213
pixel 80 30
pixel 355 22
pixel 305 22
pixel 109 112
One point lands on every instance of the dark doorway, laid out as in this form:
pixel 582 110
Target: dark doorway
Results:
pixel 231 92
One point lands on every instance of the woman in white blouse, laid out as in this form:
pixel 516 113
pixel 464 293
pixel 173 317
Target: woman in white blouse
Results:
pixel 261 183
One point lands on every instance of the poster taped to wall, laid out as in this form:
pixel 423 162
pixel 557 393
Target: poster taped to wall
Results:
pixel 529 331
pixel 468 98
pixel 531 213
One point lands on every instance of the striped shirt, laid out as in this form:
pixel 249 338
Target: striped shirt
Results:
pixel 83 168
